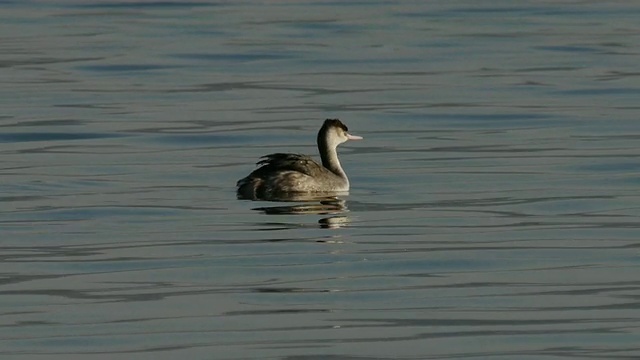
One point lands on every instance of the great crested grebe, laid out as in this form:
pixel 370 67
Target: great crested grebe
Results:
pixel 281 174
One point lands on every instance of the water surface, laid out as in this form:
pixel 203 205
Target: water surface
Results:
pixel 494 205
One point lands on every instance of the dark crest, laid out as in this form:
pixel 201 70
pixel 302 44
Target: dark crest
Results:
pixel 335 123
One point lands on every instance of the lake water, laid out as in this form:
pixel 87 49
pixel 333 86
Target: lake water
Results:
pixel 494 210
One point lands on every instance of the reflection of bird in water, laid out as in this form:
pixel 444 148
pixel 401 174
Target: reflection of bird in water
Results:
pixel 324 207
pixel 284 176
pixel 333 222
pixel 328 206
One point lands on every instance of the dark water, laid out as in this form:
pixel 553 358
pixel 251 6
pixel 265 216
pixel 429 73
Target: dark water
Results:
pixel 494 210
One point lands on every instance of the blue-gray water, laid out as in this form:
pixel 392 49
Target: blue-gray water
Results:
pixel 494 210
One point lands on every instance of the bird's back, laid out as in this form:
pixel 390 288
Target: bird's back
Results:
pixel 281 173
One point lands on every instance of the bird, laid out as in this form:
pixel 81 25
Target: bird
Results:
pixel 281 175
